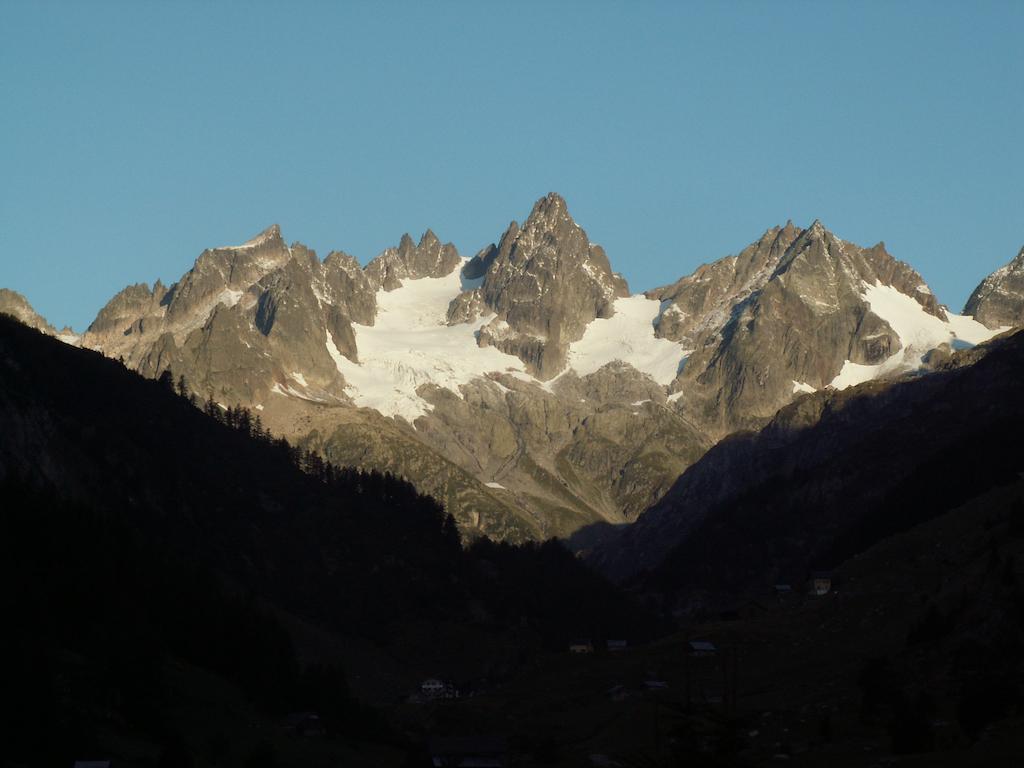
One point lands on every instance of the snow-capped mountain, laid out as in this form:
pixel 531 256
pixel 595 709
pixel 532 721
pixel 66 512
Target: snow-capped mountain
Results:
pixel 797 311
pixel 526 387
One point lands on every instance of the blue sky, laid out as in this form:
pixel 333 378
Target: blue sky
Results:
pixel 134 134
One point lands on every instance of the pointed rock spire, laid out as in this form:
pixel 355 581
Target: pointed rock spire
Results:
pixel 547 282
pixel 412 261
pixel 270 234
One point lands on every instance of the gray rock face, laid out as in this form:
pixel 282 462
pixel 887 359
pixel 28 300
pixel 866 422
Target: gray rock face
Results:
pixel 789 308
pixel 14 304
pixel 348 288
pixel 411 261
pixel 221 270
pixel 599 447
pixel 545 282
pixel 703 301
pixel 136 304
pixel 242 321
pixel 999 300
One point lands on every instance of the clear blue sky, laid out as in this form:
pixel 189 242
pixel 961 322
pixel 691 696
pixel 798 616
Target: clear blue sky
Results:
pixel 134 134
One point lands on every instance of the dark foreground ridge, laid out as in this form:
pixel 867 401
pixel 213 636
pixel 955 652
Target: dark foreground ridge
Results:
pixel 176 586
pixel 183 589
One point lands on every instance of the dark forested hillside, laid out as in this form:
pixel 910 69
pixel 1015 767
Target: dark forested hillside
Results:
pixel 138 532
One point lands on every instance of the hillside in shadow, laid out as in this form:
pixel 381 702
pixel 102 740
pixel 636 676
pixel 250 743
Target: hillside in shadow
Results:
pixel 147 545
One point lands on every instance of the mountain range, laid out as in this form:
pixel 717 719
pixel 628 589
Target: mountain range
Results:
pixel 183 581
pixel 527 388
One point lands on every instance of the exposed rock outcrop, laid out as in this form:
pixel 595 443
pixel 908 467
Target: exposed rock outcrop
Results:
pixel 14 304
pixel 790 309
pixel 545 282
pixel 409 261
pixel 999 300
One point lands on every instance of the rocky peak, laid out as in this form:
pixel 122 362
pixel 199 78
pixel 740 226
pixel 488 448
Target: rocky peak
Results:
pixel 790 311
pixel 126 307
pixel 820 262
pixel 703 301
pixel 998 301
pixel 269 236
pixel 410 261
pixel 226 269
pixel 348 288
pixel 477 266
pixel 544 281
pixel 814 243
pixel 14 304
pixel 549 213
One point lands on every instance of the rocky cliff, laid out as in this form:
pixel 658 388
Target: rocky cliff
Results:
pixel 544 282
pixel 14 304
pixel 998 301
pixel 798 310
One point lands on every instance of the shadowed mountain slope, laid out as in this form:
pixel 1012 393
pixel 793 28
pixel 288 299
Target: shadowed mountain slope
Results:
pixel 831 474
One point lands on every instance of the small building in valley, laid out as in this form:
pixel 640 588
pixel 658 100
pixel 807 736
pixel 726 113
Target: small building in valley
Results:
pixel 821 582
pixel 581 646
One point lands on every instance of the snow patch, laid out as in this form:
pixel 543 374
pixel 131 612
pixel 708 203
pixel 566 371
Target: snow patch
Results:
pixel 628 336
pixel 918 331
pixel 495 485
pixel 411 345
pixel 917 328
pixel 853 374
pixel 966 328
pixel 802 386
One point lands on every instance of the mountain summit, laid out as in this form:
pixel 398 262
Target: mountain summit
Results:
pixel 798 310
pixel 525 387
pixel 14 304
pixel 544 282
